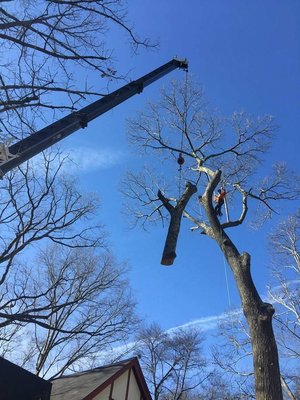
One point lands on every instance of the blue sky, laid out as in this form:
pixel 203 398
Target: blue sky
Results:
pixel 246 54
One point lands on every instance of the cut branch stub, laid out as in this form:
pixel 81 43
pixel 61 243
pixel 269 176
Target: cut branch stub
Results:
pixel 169 253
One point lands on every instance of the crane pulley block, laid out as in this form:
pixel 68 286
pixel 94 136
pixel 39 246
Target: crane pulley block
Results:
pixel 5 154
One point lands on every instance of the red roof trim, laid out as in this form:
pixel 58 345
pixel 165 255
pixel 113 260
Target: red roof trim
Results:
pixel 134 364
pixel 111 390
pixel 127 385
pixel 141 381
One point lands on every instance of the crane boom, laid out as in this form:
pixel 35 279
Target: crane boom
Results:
pixel 25 149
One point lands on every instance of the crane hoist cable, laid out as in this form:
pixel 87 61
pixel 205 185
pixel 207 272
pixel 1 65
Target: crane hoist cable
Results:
pixel 180 159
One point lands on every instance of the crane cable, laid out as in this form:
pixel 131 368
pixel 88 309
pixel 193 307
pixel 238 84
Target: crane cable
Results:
pixel 180 159
pixel 180 162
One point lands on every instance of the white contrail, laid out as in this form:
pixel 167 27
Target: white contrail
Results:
pixel 207 323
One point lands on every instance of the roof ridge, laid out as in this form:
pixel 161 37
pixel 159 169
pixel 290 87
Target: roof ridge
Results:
pixel 114 364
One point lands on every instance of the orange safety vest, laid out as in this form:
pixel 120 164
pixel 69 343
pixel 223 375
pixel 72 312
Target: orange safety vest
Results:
pixel 220 196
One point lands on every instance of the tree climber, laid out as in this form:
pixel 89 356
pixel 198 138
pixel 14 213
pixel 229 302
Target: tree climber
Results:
pixel 219 199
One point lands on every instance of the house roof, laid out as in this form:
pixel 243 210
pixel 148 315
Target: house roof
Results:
pixel 17 383
pixel 87 384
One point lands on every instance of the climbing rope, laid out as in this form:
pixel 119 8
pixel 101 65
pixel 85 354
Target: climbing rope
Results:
pixel 227 283
pixel 225 271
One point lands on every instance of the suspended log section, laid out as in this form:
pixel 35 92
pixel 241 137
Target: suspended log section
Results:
pixel 169 253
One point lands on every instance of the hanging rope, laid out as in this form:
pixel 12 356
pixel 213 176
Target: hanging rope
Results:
pixel 225 273
pixel 226 209
pixel 227 284
pixel 221 231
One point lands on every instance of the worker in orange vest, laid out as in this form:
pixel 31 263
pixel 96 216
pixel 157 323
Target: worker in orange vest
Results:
pixel 219 199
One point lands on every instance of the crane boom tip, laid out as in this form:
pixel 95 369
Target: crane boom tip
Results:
pixel 182 63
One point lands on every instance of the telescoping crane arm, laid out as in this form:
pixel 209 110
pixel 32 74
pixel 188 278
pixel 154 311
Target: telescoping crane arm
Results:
pixel 16 154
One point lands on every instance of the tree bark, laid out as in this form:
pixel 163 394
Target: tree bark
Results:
pixel 169 252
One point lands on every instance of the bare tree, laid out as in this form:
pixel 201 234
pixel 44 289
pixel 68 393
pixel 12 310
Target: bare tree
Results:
pixel 76 305
pixel 172 361
pixel 232 354
pixel 285 294
pixel 233 350
pixel 49 49
pixel 73 300
pixel 216 151
pixel 43 43
pixel 218 387
pixel 39 202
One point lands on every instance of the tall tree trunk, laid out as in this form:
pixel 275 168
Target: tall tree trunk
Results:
pixel 258 314
pixel 259 318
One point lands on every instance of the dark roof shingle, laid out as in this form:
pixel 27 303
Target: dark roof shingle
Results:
pixel 79 385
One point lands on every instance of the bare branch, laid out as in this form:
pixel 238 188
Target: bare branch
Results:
pixel 43 207
pixel 48 40
pixel 172 361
